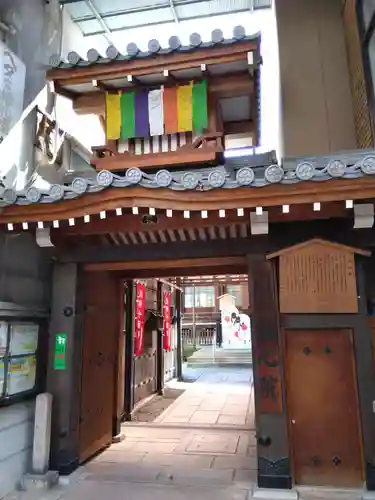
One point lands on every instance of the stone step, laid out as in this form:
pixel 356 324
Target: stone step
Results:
pixel 219 353
pixel 249 356
pixel 203 364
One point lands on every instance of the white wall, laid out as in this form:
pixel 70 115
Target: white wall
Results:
pixel 16 434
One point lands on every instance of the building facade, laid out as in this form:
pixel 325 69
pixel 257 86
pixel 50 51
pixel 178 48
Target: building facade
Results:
pixel 162 196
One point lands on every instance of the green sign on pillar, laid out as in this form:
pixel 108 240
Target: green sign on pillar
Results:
pixel 59 361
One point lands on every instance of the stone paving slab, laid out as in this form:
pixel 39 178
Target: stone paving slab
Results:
pixel 221 396
pixel 144 473
pixel 235 462
pixel 97 490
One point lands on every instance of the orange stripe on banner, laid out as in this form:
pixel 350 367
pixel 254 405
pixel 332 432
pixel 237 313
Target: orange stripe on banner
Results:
pixel 170 110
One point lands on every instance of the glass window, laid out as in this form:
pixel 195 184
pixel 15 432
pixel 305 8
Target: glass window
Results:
pixel 236 291
pixel 188 297
pixel 204 296
pixel 18 347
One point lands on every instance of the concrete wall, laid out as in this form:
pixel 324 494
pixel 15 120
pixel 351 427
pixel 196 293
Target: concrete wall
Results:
pixel 24 271
pixel 37 36
pixel 317 113
pixel 24 280
pixel 16 434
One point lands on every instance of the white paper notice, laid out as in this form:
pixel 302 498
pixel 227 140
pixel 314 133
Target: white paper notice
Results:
pixel 21 374
pixel 3 337
pixel 23 338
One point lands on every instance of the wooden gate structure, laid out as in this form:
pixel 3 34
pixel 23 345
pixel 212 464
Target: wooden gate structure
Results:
pixel 173 205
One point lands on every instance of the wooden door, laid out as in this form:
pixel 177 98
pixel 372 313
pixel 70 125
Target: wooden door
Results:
pixel 98 390
pixel 323 409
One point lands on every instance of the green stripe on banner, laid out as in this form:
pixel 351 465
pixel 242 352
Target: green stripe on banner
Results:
pixel 200 114
pixel 127 115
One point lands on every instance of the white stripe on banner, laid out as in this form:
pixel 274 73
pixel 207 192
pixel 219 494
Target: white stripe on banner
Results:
pixel 155 112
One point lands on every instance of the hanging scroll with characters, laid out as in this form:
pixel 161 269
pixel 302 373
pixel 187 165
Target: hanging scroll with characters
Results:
pixel 138 114
pixel 139 327
pixel 167 321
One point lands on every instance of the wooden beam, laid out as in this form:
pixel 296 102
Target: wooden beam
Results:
pixel 221 86
pixel 151 65
pixel 273 195
pixel 178 271
pixel 241 127
pixel 280 236
pixel 148 265
pixel 181 156
pixel 129 222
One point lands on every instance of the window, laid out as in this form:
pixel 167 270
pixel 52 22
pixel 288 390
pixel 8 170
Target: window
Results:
pixel 200 296
pixel 18 351
pixel 236 291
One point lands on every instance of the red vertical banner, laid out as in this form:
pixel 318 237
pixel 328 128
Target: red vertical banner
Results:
pixel 167 321
pixel 140 306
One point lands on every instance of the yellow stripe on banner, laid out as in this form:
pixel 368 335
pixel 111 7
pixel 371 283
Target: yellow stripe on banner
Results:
pixel 112 116
pixel 185 108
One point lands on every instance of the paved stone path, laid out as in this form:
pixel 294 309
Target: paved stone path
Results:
pixel 205 437
pixel 202 447
pixel 220 397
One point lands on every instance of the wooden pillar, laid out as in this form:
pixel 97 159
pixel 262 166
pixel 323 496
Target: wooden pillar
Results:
pixel 215 123
pixel 120 382
pixel 274 469
pixel 64 383
pixel 160 350
pixel 179 332
pixel 129 350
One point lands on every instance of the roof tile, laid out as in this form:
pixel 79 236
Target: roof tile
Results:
pixel 154 48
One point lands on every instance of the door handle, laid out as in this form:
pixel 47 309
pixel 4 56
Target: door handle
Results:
pixel 293 421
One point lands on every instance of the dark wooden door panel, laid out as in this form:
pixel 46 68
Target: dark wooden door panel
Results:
pixel 323 408
pixel 101 330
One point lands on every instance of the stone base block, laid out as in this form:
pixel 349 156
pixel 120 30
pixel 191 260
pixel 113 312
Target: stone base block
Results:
pixel 40 481
pixel 271 494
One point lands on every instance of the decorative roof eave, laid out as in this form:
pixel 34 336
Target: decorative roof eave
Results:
pixel 216 199
pixel 155 55
pixel 251 172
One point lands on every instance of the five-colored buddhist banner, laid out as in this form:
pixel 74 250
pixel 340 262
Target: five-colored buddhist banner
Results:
pixel 161 111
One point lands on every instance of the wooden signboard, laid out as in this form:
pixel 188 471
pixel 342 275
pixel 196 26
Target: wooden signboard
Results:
pixel 317 277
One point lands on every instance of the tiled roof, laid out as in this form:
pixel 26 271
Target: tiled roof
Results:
pixel 253 172
pixel 154 49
